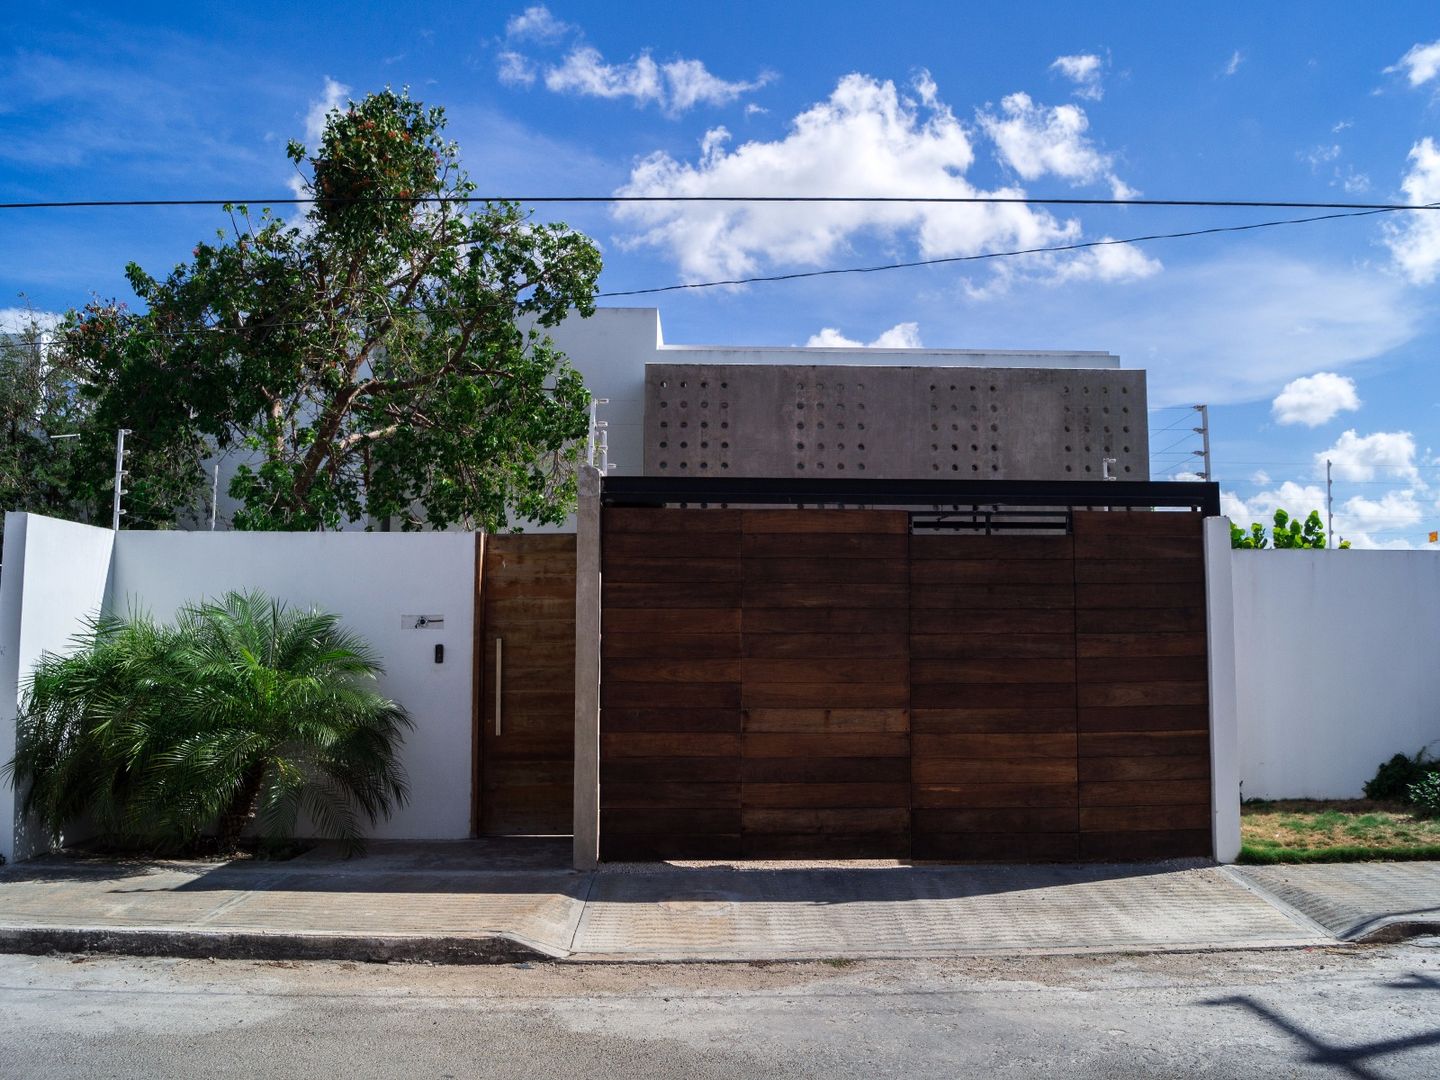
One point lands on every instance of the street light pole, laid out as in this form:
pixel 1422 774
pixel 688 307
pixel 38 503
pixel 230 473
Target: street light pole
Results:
pixel 115 510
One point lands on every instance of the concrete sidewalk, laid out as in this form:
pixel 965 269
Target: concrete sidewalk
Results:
pixel 484 901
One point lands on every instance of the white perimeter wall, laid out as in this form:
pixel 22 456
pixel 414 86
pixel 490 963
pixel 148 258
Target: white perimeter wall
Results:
pixel 53 580
pixel 56 574
pixel 1337 657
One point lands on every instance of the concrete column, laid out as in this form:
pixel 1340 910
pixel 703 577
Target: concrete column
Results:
pixel 1224 722
pixel 587 671
pixel 11 597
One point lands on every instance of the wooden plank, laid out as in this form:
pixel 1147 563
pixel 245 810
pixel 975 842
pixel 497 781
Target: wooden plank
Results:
pixel 992 646
pixel 1144 744
pixel 696 544
pixel 1029 671
pixel 853 795
pixel 936 773
pixel 1134 571
pixel 888 819
pixel 997 847
pixel 826 695
pixel 806 545
pixel 1125 546
pixel 992 695
pixel 1140 644
pixel 872 646
pixel 966 546
pixel 759 594
pixel 800 745
pixel 696 594
pixel 1146 523
pixel 688 672
pixel 1131 597
pixel 1149 767
pixel 1014 819
pixel 825 770
pixel 1140 620
pixel 616 720
pixel 677 822
pixel 816 570
pixel 1171 844
pixel 1000 721
pixel 815 670
pixel 615 695
pixel 517 611
pixel 958 598
pixel 689 770
pixel 995 571
pixel 633 848
pixel 1143 818
pixel 664 795
pixel 996 795
pixel 663 646
pixel 1145 793
pixel 993 621
pixel 518 545
pixel 671 621
pixel 671 570
pixel 1142 668
pixel 996 747
pixel 535 651
pixel 809 845
pixel 891 522
pixel 1146 718
pixel 1142 693
pixel 836 721
pixel 551 588
pixel 682 744
pixel 628 519
pixel 477 688
pixel 837 620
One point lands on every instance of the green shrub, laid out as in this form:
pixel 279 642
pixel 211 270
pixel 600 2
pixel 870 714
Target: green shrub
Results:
pixel 1393 780
pixel 1424 794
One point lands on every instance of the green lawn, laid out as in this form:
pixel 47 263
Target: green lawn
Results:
pixel 1299 830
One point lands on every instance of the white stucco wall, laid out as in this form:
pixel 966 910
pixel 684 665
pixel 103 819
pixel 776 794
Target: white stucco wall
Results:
pixel 1337 657
pixel 53 580
pixel 371 580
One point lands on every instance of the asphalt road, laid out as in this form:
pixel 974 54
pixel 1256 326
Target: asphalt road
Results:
pixel 1363 1012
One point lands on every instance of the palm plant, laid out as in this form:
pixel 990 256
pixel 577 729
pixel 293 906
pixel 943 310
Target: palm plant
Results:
pixel 244 711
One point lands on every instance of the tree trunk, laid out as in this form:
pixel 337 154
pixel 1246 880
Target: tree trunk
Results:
pixel 242 808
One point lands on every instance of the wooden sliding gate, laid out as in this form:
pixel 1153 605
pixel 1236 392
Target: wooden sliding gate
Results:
pixel 791 683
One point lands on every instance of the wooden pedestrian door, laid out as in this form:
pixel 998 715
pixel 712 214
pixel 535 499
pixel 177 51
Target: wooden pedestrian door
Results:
pixel 786 683
pixel 526 685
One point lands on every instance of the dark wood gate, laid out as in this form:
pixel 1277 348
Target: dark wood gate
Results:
pixel 790 683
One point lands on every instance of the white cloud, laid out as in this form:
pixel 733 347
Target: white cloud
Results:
pixel 1084 71
pixel 1419 65
pixel 1295 499
pixel 1037 141
pixel 904 335
pixel 675 86
pixel 1321 155
pixel 1233 64
pixel 536 23
pixel 331 97
pixel 865 139
pixel 1341 125
pixel 1353 181
pixel 15 320
pixel 1315 399
pixel 1260 478
pixel 1364 457
pixel 1114 262
pixel 1393 510
pixel 1414 241
pixel 515 69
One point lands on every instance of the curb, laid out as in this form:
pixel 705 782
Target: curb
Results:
pixel 1389 929
pixel 243 945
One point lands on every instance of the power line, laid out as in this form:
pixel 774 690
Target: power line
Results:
pixel 960 200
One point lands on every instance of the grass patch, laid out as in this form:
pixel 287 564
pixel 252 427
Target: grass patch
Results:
pixel 1356 830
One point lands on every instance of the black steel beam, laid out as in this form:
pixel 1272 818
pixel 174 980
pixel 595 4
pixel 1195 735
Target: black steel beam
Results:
pixel 670 490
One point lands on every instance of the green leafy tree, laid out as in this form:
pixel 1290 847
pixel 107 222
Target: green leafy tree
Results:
pixel 370 360
pixel 243 711
pixel 1288 532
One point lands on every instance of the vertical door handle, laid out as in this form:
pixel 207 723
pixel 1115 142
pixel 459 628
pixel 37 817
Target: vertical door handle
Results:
pixel 499 647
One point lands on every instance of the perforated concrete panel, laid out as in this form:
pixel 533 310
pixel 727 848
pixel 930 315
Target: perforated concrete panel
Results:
pixel 894 422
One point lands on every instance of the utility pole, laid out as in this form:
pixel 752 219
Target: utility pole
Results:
pixel 1204 432
pixel 1329 508
pixel 115 510
pixel 214 496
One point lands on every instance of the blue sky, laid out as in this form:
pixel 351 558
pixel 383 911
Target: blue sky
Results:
pixel 1309 342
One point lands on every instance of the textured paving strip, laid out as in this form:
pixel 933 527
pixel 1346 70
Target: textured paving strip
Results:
pixel 1352 900
pixel 717 914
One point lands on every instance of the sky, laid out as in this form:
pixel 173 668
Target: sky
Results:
pixel 1309 342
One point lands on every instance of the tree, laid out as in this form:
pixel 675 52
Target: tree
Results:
pixel 1288 533
pixel 243 710
pixel 369 359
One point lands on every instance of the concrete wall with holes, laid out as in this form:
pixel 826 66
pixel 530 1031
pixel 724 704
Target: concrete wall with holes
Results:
pixel 56 574
pixel 893 423
pixel 1336 667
